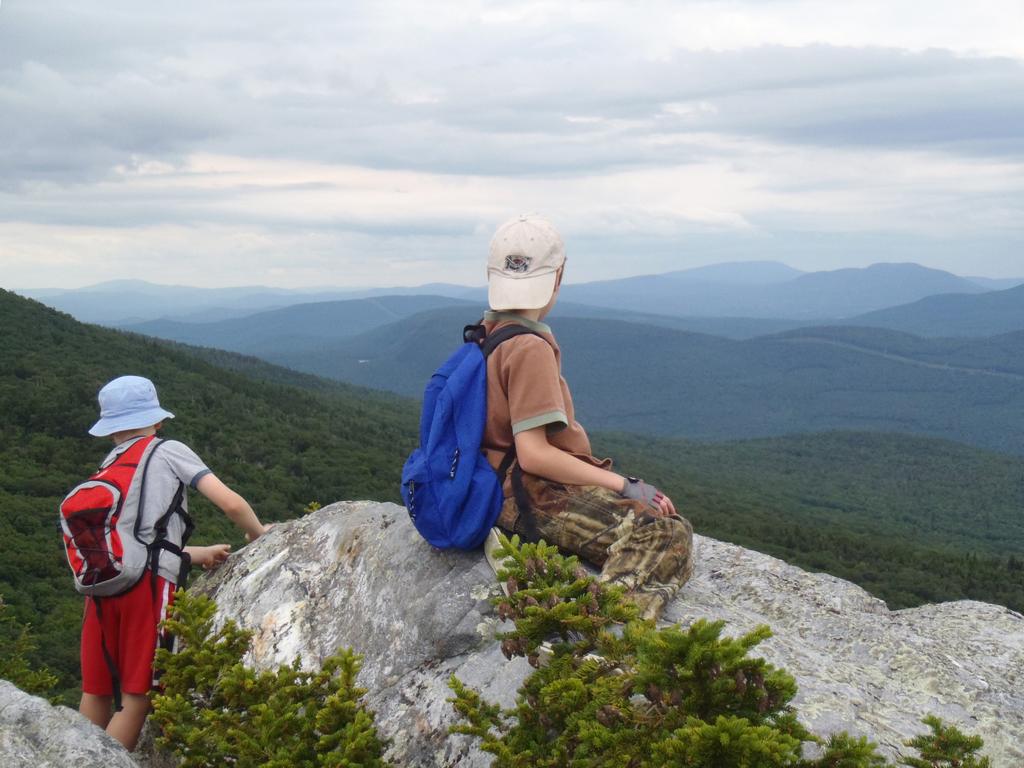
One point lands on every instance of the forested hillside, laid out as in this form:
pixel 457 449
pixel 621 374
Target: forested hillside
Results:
pixel 704 387
pixel 958 314
pixel 912 519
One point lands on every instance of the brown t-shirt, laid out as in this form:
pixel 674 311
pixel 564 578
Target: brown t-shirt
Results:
pixel 526 390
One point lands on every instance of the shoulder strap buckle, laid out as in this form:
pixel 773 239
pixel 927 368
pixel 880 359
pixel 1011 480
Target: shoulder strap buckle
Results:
pixel 474 333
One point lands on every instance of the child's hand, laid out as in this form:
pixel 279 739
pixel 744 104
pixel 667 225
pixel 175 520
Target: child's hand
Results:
pixel 634 488
pixel 209 557
pixel 266 527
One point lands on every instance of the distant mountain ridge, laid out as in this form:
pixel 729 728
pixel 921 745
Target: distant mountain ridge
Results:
pixel 308 328
pixel 997 283
pixel 302 327
pixel 985 314
pixel 760 289
pixel 831 295
pixel 632 377
pixel 734 272
pixel 129 302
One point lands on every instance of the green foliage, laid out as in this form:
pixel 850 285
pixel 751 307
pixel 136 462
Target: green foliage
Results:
pixel 16 643
pixel 945 747
pixel 844 751
pixel 726 742
pixel 553 595
pixel 215 711
pixel 642 697
pixel 635 696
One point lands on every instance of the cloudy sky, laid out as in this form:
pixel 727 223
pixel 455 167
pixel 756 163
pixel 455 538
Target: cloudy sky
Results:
pixel 312 143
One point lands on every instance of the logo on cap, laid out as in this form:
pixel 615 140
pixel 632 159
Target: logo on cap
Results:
pixel 519 264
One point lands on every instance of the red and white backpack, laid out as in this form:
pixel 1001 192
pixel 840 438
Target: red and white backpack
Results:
pixel 101 520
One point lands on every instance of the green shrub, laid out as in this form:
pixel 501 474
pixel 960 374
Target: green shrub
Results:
pixel 214 711
pixel 945 747
pixel 16 644
pixel 610 690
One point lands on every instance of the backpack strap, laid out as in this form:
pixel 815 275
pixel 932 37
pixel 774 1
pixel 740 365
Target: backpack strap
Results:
pixel 115 676
pixel 160 541
pixel 520 494
pixel 500 336
pixel 488 343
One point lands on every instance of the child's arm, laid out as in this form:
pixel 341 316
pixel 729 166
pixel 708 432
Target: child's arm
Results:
pixel 234 506
pixel 538 457
pixel 209 557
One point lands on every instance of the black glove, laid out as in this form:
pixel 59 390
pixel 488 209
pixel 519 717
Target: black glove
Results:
pixel 635 488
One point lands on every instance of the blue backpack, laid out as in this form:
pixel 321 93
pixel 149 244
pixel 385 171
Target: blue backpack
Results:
pixel 452 493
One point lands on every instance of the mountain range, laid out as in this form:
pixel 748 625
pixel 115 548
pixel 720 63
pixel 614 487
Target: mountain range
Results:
pixel 983 314
pixel 636 378
pixel 297 328
pixel 124 302
pixel 731 290
pixel 835 294
pixel 309 328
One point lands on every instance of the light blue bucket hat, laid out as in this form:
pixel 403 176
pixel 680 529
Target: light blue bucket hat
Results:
pixel 128 402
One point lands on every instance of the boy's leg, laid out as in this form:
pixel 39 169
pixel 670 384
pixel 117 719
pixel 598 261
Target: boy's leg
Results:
pixel 96 708
pixel 97 688
pixel 145 606
pixel 126 725
pixel 651 557
pixel 652 562
pixel 130 631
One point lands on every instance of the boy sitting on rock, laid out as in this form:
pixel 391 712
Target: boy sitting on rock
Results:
pixel 122 635
pixel 556 490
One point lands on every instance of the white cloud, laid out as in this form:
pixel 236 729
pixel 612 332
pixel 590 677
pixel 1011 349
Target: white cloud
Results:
pixel 243 217
pixel 231 139
pixel 986 28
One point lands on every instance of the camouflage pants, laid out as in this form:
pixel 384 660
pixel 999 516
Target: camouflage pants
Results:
pixel 651 557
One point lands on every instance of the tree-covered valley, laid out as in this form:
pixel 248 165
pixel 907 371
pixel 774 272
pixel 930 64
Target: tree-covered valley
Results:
pixel 708 387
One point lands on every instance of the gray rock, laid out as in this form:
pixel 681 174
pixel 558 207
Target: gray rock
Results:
pixel 35 734
pixel 861 667
pixel 146 753
pixel 357 574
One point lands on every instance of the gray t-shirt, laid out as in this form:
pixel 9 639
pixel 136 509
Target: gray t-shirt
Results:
pixel 171 463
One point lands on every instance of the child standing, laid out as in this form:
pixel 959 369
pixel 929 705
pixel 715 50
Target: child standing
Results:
pixel 555 489
pixel 120 633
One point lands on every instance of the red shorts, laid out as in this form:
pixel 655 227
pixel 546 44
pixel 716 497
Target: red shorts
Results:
pixel 129 629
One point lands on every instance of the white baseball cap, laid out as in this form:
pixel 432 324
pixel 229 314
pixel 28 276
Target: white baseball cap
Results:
pixel 526 254
pixel 128 402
